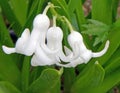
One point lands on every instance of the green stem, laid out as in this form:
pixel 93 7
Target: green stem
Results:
pixel 54 21
pixel 68 23
pixel 47 7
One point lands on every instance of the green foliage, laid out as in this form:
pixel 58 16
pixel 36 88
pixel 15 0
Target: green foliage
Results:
pixel 98 29
pixel 48 82
pixel 16 73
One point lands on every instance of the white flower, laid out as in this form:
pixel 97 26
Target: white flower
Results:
pixel 26 44
pixel 85 54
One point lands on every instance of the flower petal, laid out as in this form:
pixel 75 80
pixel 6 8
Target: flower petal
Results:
pixel 47 50
pixel 98 54
pixel 8 50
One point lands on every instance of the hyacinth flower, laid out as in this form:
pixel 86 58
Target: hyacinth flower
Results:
pixel 54 43
pixel 27 43
pixel 45 54
pixel 51 53
pixel 75 38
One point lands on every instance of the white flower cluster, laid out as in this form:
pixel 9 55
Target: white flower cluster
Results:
pixel 33 44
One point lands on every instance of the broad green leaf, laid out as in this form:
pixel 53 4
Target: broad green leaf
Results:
pixel 19 7
pixel 109 82
pixel 89 80
pixel 114 64
pixel 8 69
pixel 9 14
pixel 6 87
pixel 36 72
pixel 102 11
pixel 48 82
pixel 75 7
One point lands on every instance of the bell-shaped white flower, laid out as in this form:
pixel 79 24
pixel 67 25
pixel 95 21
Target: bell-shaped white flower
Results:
pixel 26 44
pixel 85 54
pixel 54 43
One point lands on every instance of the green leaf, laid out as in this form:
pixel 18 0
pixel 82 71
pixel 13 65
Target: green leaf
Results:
pixel 102 11
pixel 63 10
pixel 68 78
pixel 115 64
pixel 89 80
pixel 4 34
pixel 115 9
pixel 9 14
pixel 48 82
pixel 8 69
pixel 98 29
pixel 109 82
pixel 6 87
pixel 113 37
pixel 19 7
pixel 25 73
pixel 75 7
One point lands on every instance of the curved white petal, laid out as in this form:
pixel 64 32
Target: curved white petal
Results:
pixel 43 58
pixel 47 50
pixel 98 54
pixel 25 35
pixel 67 51
pixel 73 63
pixel 22 41
pixel 8 50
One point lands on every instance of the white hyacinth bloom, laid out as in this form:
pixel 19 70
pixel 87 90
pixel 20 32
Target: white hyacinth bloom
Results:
pixel 85 54
pixel 27 43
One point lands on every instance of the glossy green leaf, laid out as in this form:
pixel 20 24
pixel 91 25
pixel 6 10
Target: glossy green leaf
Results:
pixel 109 82
pixel 75 7
pixel 7 9
pixel 88 81
pixel 8 69
pixel 102 11
pixel 114 64
pixel 19 7
pixel 6 87
pixel 48 82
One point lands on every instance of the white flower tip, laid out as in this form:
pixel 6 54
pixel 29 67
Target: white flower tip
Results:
pixel 25 33
pixel 8 50
pixel 67 50
pixel 34 61
pixel 107 43
pixel 98 54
